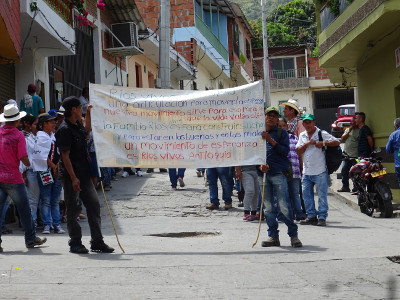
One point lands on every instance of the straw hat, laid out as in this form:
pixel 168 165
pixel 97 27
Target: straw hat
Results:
pixel 11 113
pixel 292 103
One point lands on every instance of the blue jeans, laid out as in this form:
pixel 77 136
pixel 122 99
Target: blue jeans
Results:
pixel 345 173
pixel 224 175
pixel 4 212
pixel 106 174
pixel 294 196
pixel 321 183
pixel 173 175
pixel 18 195
pixel 277 205
pixel 33 193
pixel 50 206
pixel 397 171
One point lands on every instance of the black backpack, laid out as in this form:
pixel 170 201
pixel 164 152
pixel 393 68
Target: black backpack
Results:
pixel 333 156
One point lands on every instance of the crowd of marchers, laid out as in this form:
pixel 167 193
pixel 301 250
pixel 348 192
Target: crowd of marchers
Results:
pixel 48 170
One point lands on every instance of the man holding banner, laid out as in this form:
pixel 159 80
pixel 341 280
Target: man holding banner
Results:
pixel 276 193
pixel 76 178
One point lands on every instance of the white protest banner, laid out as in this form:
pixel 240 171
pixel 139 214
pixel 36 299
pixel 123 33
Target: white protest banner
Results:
pixel 135 127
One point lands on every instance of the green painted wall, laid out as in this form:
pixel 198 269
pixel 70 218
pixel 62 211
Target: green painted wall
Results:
pixel 379 94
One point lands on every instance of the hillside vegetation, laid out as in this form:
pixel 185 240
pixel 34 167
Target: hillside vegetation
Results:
pixel 252 8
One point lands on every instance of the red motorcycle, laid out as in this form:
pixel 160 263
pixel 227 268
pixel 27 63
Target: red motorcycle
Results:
pixel 373 192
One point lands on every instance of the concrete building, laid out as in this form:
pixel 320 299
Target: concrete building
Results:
pixel 213 36
pixel 359 45
pixel 295 74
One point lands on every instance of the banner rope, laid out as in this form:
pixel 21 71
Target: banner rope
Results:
pixel 261 210
pixel 112 221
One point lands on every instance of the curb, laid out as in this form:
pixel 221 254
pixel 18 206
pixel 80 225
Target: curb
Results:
pixel 353 205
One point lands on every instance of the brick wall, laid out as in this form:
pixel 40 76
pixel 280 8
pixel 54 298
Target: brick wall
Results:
pixel 188 50
pixel 182 13
pixel 11 16
pixel 314 70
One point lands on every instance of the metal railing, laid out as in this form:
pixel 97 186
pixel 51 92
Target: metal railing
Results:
pixel 63 8
pixel 209 35
pixel 290 73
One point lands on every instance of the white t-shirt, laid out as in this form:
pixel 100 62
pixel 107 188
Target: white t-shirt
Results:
pixel 314 162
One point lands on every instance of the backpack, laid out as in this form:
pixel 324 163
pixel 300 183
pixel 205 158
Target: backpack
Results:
pixel 333 156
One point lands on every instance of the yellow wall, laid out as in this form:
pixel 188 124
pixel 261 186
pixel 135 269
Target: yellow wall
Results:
pixel 144 63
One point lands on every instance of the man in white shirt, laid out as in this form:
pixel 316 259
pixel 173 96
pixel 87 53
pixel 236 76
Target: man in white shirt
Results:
pixel 314 170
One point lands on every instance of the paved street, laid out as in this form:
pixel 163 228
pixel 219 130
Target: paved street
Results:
pixel 345 260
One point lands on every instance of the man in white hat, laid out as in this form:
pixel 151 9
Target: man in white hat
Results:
pixel 12 151
pixel 291 112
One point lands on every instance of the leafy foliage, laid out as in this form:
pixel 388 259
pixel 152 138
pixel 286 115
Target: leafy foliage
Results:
pixel 290 24
pixel 252 8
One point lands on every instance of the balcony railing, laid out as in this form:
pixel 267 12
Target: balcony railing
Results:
pixel 290 73
pixel 63 8
pixel 327 16
pixel 209 35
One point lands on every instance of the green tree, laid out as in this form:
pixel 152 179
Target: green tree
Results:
pixel 289 24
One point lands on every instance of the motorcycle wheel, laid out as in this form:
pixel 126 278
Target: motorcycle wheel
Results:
pixel 385 199
pixel 363 206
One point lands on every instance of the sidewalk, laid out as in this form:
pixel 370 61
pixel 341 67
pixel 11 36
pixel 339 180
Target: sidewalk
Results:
pixel 351 200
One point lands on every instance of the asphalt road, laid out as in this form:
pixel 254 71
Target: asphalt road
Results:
pixel 176 249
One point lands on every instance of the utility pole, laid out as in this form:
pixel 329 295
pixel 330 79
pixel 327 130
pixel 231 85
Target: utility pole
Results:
pixel 164 65
pixel 267 87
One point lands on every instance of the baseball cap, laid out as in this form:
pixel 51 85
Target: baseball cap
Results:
pixel 308 116
pixel 45 118
pixel 31 88
pixel 272 109
pixel 53 112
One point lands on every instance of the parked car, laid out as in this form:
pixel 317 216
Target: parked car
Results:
pixel 343 118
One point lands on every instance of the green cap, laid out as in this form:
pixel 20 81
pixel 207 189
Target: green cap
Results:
pixel 272 109
pixel 308 116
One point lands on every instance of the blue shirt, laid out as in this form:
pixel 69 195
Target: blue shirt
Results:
pixel 393 146
pixel 277 157
pixel 37 103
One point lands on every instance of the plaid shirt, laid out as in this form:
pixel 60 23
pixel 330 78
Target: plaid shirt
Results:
pixel 292 124
pixel 293 157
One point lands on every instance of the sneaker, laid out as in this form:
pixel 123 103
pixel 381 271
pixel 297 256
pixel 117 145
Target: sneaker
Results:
pixel 271 242
pixel 58 229
pixel 46 229
pixel 254 218
pixel 321 222
pixel 212 206
pixel 125 174
pixel 295 242
pixel 198 173
pixel 162 170
pixel 78 249
pixel 139 173
pixel 107 188
pixel 150 170
pixel 240 204
pixel 344 189
pixel 173 187
pixel 1 249
pixel 245 218
pixel 37 242
pixel 228 206
pixel 101 247
pixel 181 183
pixel 310 221
pixel 82 216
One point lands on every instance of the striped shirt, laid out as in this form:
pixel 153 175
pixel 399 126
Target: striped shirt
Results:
pixel 293 157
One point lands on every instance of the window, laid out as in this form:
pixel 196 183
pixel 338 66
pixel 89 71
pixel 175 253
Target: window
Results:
pixel 248 50
pixel 282 68
pixel 138 71
pixel 236 45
